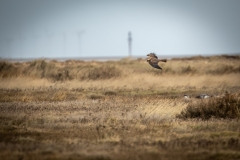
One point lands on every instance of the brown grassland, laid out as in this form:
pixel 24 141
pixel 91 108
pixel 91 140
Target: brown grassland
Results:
pixel 120 109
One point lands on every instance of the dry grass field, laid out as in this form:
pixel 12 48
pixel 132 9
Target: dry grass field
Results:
pixel 120 109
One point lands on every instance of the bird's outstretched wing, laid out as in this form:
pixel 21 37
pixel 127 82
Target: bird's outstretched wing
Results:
pixel 156 66
pixel 154 63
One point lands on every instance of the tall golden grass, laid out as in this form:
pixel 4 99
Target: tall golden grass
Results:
pixel 192 72
pixel 80 70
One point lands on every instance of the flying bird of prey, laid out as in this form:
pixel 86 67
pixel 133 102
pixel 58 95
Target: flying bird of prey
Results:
pixel 153 60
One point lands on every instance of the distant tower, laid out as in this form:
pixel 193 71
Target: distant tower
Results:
pixel 129 44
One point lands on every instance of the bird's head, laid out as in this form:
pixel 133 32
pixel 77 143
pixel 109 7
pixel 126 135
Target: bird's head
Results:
pixel 152 55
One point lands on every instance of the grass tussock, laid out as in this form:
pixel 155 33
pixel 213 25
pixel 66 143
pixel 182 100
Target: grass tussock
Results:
pixel 225 107
pixel 58 71
pixel 225 69
pixel 188 70
pixel 9 70
pixel 102 72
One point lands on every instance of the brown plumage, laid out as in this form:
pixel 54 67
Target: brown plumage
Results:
pixel 153 60
pixel 152 55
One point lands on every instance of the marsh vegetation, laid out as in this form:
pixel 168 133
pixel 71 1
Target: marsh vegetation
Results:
pixel 120 109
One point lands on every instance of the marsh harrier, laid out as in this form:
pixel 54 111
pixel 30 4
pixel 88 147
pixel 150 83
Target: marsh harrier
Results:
pixel 153 60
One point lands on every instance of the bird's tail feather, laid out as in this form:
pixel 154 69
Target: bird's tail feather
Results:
pixel 162 60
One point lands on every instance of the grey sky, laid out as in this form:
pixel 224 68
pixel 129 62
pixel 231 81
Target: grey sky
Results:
pixel 73 28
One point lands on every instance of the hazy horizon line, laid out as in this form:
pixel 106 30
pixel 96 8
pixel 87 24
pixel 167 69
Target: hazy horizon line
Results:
pixel 106 58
